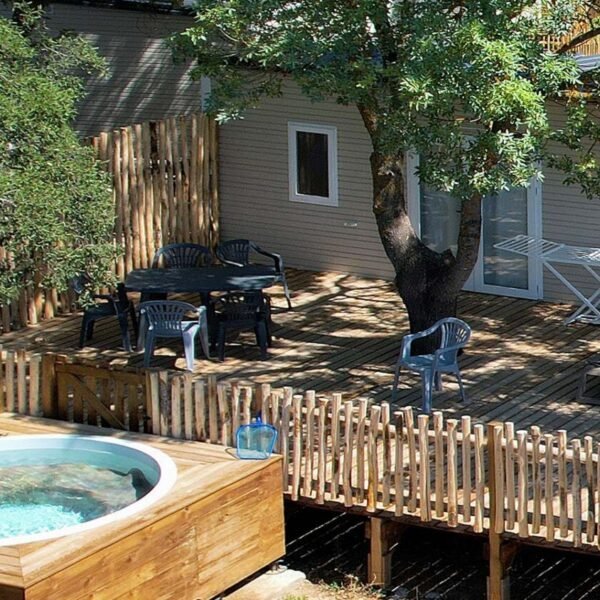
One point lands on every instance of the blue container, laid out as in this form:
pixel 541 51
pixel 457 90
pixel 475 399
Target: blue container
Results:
pixel 255 440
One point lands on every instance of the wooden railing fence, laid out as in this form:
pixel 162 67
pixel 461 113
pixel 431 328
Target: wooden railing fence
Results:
pixel 165 190
pixel 348 452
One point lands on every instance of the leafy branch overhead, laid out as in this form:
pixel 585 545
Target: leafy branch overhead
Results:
pixel 428 74
pixel 56 214
pixel 469 85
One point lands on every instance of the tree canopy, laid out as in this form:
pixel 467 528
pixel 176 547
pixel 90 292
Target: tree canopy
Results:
pixel 56 215
pixel 465 83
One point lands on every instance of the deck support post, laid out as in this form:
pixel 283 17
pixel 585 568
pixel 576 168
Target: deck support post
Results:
pixel 500 556
pixel 383 535
pixel 501 552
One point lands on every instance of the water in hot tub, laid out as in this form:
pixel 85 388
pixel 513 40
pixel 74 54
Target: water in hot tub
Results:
pixel 44 497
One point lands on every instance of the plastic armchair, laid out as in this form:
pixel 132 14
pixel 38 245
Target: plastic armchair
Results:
pixel 104 305
pixel 178 256
pixel 171 319
pixel 182 256
pixel 237 253
pixel 453 334
pixel 243 310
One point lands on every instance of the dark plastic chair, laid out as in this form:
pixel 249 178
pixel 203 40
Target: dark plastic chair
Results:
pixel 451 335
pixel 178 256
pixel 237 253
pixel 182 256
pixel 236 311
pixel 104 305
pixel 171 319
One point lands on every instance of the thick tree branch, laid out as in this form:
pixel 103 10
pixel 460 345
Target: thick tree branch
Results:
pixel 581 38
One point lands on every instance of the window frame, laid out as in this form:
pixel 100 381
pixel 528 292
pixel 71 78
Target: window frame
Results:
pixel 331 132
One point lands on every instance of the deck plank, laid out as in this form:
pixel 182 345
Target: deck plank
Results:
pixel 344 334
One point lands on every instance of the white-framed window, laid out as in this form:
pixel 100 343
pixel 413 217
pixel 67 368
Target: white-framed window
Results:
pixel 312 155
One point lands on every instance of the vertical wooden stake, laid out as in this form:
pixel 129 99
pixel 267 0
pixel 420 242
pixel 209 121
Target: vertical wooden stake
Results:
pixel 498 582
pixel 49 406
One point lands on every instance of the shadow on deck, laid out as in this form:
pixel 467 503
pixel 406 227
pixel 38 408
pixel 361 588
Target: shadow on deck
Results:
pixel 344 333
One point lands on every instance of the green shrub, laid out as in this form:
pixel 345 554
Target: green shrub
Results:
pixel 56 213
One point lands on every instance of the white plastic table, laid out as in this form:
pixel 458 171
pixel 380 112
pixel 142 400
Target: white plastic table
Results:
pixel 552 253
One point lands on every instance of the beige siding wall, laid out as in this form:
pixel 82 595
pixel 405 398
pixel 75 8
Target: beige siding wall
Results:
pixel 254 189
pixel 254 192
pixel 143 83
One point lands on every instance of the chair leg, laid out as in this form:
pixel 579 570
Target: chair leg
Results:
pixel 396 380
pixel 189 349
pixel 124 326
pixel 89 329
pixel 134 320
pixel 286 291
pixel 83 332
pixel 427 378
pixel 460 386
pixel 261 338
pixel 582 383
pixel 148 349
pixel 438 382
pixel 204 341
pixel 221 343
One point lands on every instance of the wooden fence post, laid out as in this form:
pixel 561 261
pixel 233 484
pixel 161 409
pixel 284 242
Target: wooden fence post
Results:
pixel 48 387
pixel 501 552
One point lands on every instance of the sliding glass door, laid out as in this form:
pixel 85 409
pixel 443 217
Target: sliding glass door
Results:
pixel 436 216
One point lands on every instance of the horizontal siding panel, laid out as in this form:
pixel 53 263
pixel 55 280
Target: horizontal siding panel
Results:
pixel 254 189
pixel 143 83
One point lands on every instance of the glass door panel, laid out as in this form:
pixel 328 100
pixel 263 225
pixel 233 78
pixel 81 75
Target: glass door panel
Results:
pixel 440 219
pixel 436 218
pixel 504 216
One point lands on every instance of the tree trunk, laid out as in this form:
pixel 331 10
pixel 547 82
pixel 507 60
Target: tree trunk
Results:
pixel 428 282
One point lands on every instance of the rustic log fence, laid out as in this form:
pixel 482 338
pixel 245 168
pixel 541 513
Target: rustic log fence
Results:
pixel 165 190
pixel 344 451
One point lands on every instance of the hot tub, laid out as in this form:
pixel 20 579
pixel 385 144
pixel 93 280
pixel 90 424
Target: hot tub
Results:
pixel 56 485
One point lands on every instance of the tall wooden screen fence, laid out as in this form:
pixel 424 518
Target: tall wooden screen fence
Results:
pixel 165 190
pixel 360 455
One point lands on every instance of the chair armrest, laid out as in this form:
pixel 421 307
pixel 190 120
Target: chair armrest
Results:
pixel 440 351
pixel 276 257
pixel 231 262
pixel 103 296
pixel 408 339
pixel 109 299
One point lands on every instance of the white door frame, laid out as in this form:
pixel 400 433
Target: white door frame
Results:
pixel 475 282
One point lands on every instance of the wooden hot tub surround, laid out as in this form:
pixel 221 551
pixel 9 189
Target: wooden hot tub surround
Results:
pixel 221 522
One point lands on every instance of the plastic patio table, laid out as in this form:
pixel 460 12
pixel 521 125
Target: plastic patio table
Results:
pixel 201 280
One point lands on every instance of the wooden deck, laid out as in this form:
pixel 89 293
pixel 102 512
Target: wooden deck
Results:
pixel 220 511
pixel 344 334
